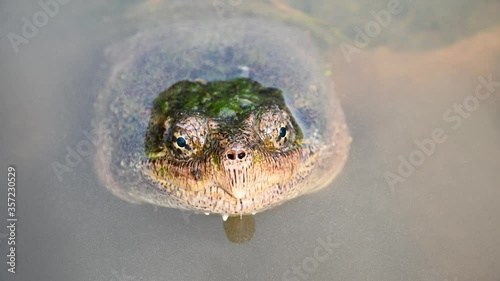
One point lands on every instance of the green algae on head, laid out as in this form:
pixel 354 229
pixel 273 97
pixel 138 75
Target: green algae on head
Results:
pixel 231 99
pixel 225 103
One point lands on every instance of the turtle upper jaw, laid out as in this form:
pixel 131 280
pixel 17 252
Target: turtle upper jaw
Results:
pixel 249 171
pixel 237 166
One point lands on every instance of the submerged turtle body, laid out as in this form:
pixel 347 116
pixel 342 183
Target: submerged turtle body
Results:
pixel 232 119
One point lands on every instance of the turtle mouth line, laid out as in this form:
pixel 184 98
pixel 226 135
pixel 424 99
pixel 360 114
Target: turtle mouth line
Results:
pixel 215 196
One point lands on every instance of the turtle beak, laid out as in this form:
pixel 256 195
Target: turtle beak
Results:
pixel 237 160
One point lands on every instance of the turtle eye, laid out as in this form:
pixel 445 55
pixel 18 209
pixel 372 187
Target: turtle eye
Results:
pixel 188 136
pixel 181 142
pixel 276 129
pixel 282 132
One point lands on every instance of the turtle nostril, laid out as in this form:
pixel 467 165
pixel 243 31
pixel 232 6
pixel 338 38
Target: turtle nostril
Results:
pixel 231 155
pixel 236 154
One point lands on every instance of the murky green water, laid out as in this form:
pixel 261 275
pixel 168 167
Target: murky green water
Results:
pixel 418 199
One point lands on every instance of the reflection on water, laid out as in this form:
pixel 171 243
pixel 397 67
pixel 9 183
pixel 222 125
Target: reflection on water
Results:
pixel 440 223
pixel 239 230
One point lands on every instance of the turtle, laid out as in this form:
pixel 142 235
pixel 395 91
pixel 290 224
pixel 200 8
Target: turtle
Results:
pixel 228 117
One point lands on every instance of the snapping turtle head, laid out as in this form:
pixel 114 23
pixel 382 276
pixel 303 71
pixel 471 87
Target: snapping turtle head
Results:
pixel 231 141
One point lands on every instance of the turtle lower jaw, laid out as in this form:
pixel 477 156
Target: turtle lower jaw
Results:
pixel 238 193
pixel 227 204
pixel 214 199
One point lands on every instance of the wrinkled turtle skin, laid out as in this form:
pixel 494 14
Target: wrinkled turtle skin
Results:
pixel 219 116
